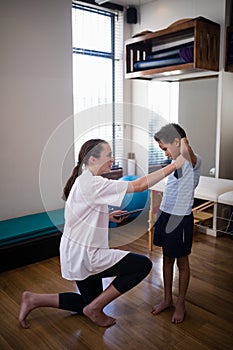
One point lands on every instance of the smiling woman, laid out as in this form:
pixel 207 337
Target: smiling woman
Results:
pixel 84 253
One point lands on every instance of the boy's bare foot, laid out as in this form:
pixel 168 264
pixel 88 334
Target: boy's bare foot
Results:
pixel 179 313
pixel 98 317
pixel 25 308
pixel 161 307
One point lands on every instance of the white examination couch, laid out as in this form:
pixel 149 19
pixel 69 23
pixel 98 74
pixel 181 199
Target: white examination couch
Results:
pixel 212 191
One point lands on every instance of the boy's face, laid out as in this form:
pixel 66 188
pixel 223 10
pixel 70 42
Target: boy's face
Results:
pixel 172 150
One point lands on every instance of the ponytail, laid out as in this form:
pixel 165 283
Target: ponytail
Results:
pixel 70 182
pixel 93 148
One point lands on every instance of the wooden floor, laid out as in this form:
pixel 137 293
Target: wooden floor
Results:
pixel 208 324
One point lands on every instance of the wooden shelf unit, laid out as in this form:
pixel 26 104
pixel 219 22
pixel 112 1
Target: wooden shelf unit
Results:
pixel 205 35
pixel 229 49
pixel 201 214
pixel 114 174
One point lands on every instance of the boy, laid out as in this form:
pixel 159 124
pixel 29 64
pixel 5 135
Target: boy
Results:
pixel 174 227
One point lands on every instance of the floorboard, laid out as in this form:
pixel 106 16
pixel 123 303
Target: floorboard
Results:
pixel 207 325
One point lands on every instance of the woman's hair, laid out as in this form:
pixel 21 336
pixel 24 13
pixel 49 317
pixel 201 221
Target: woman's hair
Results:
pixel 90 148
pixel 169 132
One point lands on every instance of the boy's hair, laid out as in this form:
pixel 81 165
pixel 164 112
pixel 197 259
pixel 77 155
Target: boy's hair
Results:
pixel 169 132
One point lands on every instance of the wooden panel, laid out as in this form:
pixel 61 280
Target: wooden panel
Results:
pixel 114 174
pixel 207 325
pixel 229 49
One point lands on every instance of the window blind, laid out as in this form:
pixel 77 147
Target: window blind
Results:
pixel 97 36
pixel 163 102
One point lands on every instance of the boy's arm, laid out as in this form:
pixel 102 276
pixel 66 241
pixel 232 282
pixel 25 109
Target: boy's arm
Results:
pixel 187 152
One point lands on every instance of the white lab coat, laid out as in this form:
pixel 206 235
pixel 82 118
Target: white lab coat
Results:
pixel 84 247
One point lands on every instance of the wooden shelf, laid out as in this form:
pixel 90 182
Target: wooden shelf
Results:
pixel 203 216
pixel 200 214
pixel 202 33
pixel 229 50
pixel 114 174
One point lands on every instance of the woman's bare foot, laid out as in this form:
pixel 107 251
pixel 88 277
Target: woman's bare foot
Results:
pixel 179 313
pixel 161 307
pixel 98 317
pixel 26 307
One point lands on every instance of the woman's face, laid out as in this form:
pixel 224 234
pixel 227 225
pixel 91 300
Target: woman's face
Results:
pixel 104 162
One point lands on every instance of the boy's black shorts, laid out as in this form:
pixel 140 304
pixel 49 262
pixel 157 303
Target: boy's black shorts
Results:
pixel 174 234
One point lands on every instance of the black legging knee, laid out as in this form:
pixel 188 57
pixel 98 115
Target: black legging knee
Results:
pixel 132 269
pixel 129 271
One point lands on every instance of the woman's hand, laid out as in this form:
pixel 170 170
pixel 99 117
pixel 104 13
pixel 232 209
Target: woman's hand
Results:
pixel 112 217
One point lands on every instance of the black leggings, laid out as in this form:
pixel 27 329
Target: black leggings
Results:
pixel 129 271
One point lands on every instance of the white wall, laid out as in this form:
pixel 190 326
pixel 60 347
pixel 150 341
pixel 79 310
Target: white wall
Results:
pixel 198 116
pixel 36 96
pixel 226 128
pixel 159 14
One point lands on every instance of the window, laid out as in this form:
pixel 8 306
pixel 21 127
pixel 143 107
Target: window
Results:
pixel 163 102
pixel 98 76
